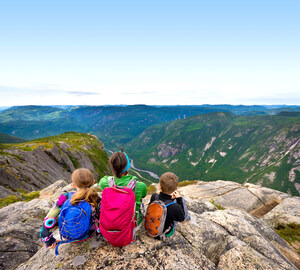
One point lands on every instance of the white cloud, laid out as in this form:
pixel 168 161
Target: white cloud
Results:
pixel 82 93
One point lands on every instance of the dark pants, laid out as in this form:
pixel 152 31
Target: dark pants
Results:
pixel 186 216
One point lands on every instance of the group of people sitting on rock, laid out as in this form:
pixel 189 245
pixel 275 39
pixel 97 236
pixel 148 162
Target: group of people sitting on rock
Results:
pixel 118 212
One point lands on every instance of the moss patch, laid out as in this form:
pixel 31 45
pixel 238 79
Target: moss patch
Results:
pixel 9 200
pixel 24 197
pixel 74 161
pixel 290 233
pixel 216 204
pixel 30 196
pixel 36 145
pixel 151 189
pixel 186 183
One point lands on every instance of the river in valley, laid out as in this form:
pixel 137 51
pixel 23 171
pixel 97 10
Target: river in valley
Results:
pixel 152 174
pixel 140 170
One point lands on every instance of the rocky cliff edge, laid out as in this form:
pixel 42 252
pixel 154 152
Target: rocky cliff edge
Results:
pixel 213 239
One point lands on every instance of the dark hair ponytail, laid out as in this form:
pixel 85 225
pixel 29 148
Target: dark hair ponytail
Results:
pixel 118 162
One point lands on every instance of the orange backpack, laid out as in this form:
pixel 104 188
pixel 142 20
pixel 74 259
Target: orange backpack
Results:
pixel 155 218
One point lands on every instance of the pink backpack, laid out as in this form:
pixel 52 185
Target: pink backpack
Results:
pixel 117 214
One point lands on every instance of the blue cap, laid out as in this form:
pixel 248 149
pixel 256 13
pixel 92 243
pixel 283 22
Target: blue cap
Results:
pixel 128 163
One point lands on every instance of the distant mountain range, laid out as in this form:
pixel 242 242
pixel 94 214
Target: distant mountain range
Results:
pixel 115 125
pixel 32 122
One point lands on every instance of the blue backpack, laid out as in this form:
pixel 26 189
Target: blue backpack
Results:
pixel 74 222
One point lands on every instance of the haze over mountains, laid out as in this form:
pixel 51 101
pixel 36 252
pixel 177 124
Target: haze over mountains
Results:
pixel 259 144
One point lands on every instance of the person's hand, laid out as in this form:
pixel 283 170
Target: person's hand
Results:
pixel 174 195
pixel 53 246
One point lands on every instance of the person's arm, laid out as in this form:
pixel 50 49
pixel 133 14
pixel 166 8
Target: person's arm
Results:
pixel 143 189
pixel 96 215
pixel 180 201
pixel 178 214
pixel 97 210
pixel 51 220
pixel 178 211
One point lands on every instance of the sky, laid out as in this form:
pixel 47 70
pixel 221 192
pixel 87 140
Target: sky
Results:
pixel 149 52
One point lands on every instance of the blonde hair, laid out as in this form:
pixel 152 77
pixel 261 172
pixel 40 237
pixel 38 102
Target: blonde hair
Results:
pixel 168 182
pixel 83 179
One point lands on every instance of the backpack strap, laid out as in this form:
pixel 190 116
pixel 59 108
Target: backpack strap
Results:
pixel 163 236
pixel 132 185
pixel 169 204
pixel 58 244
pixel 156 197
pixel 111 181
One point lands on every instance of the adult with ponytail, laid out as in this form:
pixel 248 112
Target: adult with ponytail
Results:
pixel 120 164
pixel 87 204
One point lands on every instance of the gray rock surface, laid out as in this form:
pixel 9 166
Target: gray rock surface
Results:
pixel 230 239
pixel 20 224
pixel 266 194
pixel 229 194
pixel 287 212
pixel 4 192
pixel 249 233
pixel 53 191
pixel 213 239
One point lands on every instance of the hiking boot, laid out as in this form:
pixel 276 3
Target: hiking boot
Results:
pixel 187 219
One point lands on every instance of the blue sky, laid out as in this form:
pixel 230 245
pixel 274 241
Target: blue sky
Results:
pixel 150 52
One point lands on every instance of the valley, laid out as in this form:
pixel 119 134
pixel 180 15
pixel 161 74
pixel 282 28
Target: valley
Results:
pixel 255 144
pixel 257 149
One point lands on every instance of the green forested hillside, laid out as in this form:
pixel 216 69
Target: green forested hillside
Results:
pixel 258 149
